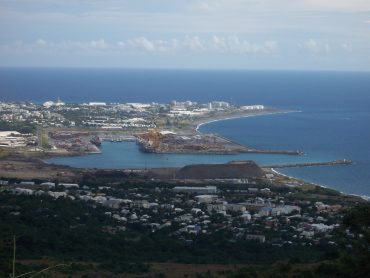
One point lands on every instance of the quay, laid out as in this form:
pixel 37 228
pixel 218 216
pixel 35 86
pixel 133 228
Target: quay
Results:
pixel 310 164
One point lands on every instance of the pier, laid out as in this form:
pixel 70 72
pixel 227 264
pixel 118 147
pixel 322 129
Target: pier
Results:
pixel 286 152
pixel 311 164
pixel 245 149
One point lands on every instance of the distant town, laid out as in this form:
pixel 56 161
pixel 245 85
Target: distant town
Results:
pixel 114 115
pixel 248 211
pixel 58 128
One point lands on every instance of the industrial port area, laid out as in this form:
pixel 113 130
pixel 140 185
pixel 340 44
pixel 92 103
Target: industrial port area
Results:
pixel 170 142
pixel 55 129
pixel 76 129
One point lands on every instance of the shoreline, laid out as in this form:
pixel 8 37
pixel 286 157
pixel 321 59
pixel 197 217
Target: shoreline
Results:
pixel 242 116
pixel 216 119
pixel 291 177
pixel 364 197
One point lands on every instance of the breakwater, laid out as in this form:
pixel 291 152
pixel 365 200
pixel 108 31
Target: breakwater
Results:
pixel 311 164
pixel 245 149
pixel 285 152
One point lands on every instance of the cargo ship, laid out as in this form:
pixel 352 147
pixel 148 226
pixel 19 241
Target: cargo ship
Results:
pixel 95 140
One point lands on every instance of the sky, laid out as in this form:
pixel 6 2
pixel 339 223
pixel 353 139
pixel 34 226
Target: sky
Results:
pixel 186 34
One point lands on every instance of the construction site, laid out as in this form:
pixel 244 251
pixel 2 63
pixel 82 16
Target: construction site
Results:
pixel 74 141
pixel 169 142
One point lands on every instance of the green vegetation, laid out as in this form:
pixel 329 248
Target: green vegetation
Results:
pixel 351 260
pixel 85 238
pixel 45 139
pixel 73 231
pixel 324 191
pixel 3 153
pixel 22 127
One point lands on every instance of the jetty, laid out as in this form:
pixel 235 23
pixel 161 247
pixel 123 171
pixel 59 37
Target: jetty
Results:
pixel 311 164
pixel 286 152
pixel 245 149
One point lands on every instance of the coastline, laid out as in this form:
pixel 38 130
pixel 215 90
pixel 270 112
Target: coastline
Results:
pixel 189 128
pixel 364 197
pixel 211 120
pixel 291 177
pixel 242 116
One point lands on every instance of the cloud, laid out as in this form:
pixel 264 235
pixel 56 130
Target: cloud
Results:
pixel 181 5
pixel 315 47
pixel 99 44
pixel 337 5
pixel 194 44
pixel 287 5
pixel 41 42
pixel 347 46
pixel 239 46
pixel 214 5
pixel 141 43
pixel 189 44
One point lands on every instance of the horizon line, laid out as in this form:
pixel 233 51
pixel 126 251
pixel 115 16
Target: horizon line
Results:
pixel 183 69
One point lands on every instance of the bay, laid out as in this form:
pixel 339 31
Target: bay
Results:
pixel 334 122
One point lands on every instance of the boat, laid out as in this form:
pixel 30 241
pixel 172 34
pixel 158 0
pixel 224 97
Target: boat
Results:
pixel 95 140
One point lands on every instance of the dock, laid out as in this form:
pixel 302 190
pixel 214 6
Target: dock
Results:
pixel 311 164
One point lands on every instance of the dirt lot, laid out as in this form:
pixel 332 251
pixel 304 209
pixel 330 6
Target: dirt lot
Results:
pixel 35 169
pixel 173 270
pixel 191 270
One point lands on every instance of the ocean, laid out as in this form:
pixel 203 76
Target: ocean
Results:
pixel 333 122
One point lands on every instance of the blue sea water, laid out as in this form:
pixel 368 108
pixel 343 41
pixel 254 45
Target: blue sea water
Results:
pixel 333 124
pixel 324 135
